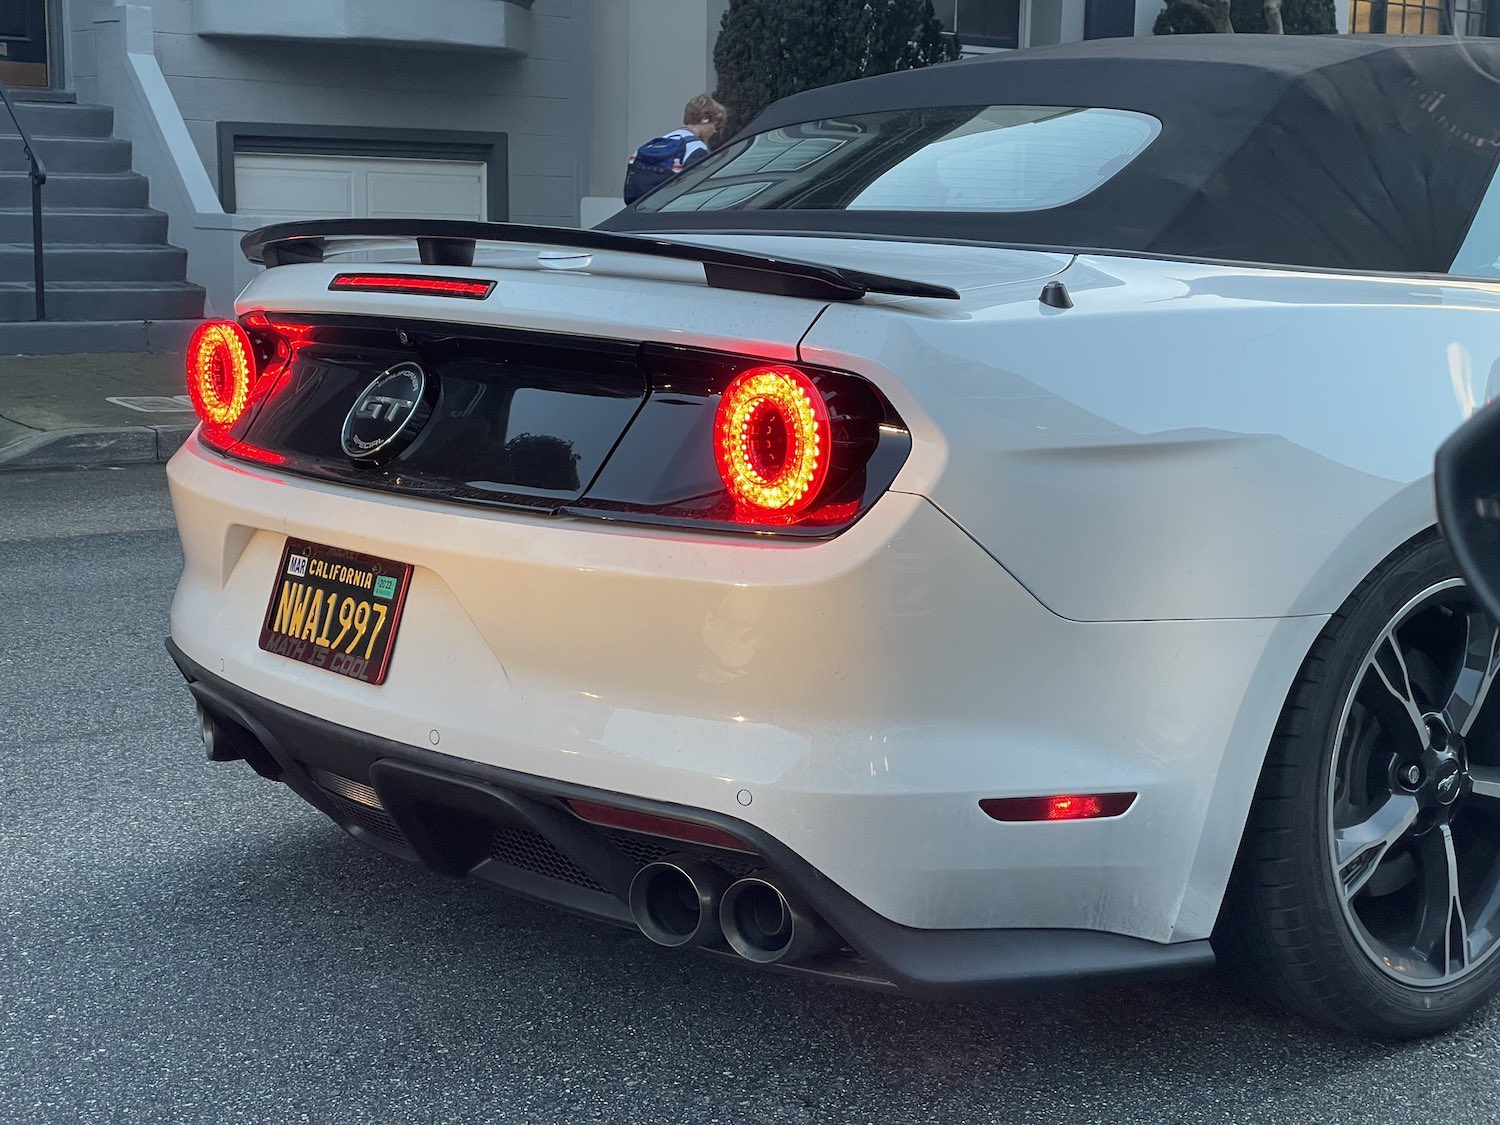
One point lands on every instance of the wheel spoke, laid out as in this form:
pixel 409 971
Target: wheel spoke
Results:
pixel 1390 669
pixel 1486 780
pixel 1476 674
pixel 1442 931
pixel 1360 848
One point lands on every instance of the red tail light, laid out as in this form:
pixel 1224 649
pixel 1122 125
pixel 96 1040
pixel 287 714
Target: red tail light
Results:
pixel 220 371
pixel 413 283
pixel 1066 806
pixel 771 439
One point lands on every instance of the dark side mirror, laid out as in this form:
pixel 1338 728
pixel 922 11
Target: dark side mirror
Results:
pixel 1467 477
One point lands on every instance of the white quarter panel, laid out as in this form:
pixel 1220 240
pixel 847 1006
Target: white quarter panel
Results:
pixel 862 693
pixel 1187 441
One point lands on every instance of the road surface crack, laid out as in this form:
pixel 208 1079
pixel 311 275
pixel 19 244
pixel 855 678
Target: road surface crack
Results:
pixel 18 422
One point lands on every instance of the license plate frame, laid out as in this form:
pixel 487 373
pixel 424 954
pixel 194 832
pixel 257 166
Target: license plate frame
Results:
pixel 305 618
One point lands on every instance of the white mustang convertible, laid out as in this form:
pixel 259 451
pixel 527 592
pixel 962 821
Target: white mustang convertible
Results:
pixel 976 528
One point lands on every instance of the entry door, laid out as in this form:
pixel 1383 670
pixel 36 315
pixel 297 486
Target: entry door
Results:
pixel 23 42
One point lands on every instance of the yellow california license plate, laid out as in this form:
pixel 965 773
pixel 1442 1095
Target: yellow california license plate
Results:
pixel 336 609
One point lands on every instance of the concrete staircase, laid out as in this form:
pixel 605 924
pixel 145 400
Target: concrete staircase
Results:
pixel 112 281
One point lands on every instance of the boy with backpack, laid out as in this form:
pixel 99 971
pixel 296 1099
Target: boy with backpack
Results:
pixel 661 158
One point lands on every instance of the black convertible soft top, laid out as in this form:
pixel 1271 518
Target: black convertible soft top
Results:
pixel 1345 152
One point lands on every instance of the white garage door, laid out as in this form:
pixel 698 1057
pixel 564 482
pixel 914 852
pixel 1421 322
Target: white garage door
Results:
pixel 328 187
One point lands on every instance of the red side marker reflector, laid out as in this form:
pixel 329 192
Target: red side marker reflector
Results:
pixel 608 816
pixel 1064 806
pixel 413 283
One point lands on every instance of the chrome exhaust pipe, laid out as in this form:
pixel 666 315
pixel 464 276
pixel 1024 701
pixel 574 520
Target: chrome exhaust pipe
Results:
pixel 227 742
pixel 675 901
pixel 214 741
pixel 763 922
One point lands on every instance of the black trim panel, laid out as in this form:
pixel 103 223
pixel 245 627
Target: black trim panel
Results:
pixel 575 454
pixel 934 963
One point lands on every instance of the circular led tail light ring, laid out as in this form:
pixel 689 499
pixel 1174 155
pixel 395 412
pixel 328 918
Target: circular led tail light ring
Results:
pixel 220 369
pixel 771 439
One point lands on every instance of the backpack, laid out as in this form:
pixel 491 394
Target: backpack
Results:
pixel 653 164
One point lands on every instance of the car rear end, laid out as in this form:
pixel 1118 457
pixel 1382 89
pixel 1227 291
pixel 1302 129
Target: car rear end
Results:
pixel 552 632
pixel 588 567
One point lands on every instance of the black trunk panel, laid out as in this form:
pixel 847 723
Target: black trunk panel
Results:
pixel 516 418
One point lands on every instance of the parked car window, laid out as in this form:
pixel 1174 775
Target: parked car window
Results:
pixel 986 158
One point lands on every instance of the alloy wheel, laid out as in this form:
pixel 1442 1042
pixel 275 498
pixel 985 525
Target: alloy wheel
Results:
pixel 1414 792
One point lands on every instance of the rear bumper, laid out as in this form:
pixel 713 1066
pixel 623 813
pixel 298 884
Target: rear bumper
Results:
pixel 854 699
pixel 465 818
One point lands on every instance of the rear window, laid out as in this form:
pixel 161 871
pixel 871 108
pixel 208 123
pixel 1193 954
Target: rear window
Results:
pixel 965 158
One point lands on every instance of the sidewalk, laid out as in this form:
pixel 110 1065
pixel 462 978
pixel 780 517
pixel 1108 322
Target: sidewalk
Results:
pixel 60 411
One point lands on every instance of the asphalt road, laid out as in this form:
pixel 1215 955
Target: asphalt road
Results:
pixel 184 942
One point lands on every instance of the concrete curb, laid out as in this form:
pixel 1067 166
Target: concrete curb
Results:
pixel 120 445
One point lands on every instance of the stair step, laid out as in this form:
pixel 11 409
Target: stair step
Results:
pixel 117 189
pixel 78 224
pixel 95 301
pixel 95 262
pixel 57 119
pixel 66 154
pixel 98 337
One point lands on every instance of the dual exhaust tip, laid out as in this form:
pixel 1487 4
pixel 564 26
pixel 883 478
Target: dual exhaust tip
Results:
pixel 681 901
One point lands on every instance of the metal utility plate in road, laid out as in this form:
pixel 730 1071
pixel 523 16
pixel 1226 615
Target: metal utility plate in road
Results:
pixel 336 609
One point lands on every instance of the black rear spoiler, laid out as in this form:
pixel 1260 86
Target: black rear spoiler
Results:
pixel 450 242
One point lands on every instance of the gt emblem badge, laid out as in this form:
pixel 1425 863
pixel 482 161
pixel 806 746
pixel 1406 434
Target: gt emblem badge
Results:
pixel 388 414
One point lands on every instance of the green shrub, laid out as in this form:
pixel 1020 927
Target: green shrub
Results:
pixel 768 49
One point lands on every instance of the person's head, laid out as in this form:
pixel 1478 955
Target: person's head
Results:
pixel 703 116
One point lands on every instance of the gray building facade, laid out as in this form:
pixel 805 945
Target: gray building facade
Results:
pixel 240 112
pixel 234 113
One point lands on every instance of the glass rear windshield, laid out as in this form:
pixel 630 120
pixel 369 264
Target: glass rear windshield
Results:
pixel 953 158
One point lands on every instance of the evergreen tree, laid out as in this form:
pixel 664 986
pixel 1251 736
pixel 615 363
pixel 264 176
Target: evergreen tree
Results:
pixel 768 49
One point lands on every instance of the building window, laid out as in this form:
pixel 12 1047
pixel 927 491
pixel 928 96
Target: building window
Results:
pixel 1418 17
pixel 983 23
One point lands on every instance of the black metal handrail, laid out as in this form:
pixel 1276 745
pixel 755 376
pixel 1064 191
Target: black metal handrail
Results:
pixel 38 178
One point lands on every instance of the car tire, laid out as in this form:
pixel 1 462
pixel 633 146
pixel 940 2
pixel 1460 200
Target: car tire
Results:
pixel 1366 894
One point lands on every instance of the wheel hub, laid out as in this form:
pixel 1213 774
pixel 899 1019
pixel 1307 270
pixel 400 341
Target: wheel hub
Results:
pixel 1449 784
pixel 1446 768
pixel 1439 778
